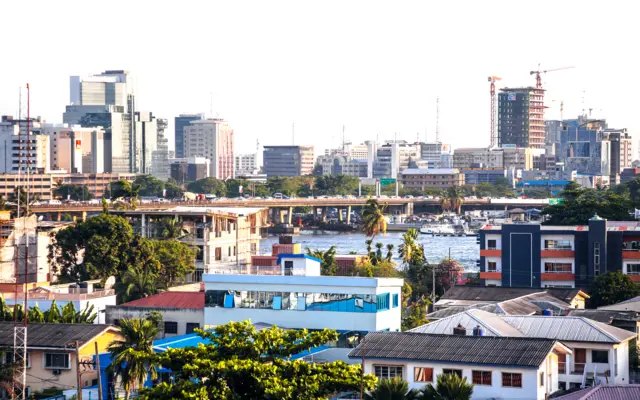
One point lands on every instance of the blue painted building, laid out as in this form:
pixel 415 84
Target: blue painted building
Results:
pixel 538 256
pixel 179 123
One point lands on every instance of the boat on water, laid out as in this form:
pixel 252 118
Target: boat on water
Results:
pixel 437 229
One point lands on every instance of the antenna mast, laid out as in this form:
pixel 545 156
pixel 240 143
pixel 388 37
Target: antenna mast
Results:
pixel 437 119
pixel 343 146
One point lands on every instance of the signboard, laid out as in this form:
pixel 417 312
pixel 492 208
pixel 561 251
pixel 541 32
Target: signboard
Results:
pixel 555 202
pixel 511 97
pixel 509 146
pixel 78 145
pixel 387 181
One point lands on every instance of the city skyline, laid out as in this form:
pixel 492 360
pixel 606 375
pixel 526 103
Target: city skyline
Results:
pixel 377 70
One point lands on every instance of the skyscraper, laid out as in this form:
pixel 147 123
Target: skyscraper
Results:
pixel 107 100
pixel 213 139
pixel 180 122
pixel 288 160
pixel 521 117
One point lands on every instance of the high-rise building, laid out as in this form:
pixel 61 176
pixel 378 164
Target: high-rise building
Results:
pixel 521 117
pixel 160 167
pixel 213 139
pixel 76 149
pixel 393 157
pixel 621 153
pixel 146 128
pixel 16 152
pixel 107 100
pixel 246 164
pixel 435 154
pixel 180 122
pixel 190 169
pixel 288 160
pixel 350 150
pixel 342 165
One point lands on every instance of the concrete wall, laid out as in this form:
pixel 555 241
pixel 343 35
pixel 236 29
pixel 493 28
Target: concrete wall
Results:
pixel 180 315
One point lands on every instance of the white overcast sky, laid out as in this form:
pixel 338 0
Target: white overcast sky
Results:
pixel 376 67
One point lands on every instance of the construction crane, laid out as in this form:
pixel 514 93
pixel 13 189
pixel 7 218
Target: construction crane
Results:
pixel 493 132
pixel 539 72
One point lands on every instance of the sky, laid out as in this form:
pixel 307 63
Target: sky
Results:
pixel 375 67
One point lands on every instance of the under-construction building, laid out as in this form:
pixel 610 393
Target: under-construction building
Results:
pixel 521 117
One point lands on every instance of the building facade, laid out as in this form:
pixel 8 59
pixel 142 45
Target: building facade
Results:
pixel 246 164
pixel 342 165
pixel 521 117
pixel 552 256
pixel 473 176
pixel 621 150
pixel 435 154
pixel 180 122
pixel 288 160
pixel 75 149
pixel 16 151
pixel 160 167
pixel 481 157
pixel 190 169
pixel 421 178
pixel 394 157
pixel 213 139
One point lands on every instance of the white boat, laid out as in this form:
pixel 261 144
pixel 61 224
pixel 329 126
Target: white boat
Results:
pixel 437 229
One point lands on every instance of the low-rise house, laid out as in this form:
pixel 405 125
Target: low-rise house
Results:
pixel 605 392
pixel 627 320
pixel 182 312
pixel 499 367
pixel 51 352
pixel 600 352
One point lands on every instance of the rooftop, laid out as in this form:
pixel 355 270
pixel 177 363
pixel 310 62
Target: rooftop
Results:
pixel 605 316
pixel 346 281
pixel 54 335
pixel 485 293
pixel 186 210
pixel 308 257
pixel 429 171
pixel 522 352
pixel 627 305
pixel 492 324
pixel 605 392
pixel 169 300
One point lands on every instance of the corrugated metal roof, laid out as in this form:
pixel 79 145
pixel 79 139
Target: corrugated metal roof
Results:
pixel 53 335
pixel 492 324
pixel 486 293
pixel 605 392
pixel 627 305
pixel 566 328
pixel 486 350
pixel 169 300
pixel 605 316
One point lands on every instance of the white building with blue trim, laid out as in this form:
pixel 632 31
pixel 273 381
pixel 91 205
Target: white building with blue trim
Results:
pixel 299 297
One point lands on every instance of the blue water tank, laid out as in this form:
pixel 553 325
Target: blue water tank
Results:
pixel 547 312
pixel 478 331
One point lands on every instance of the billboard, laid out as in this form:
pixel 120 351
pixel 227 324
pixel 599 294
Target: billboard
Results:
pixel 78 144
pixel 511 97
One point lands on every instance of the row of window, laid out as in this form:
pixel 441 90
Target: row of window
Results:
pixel 336 302
pixel 171 327
pixel 425 375
pixel 51 360
pixel 557 245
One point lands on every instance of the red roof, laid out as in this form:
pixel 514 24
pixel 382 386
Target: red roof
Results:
pixel 170 300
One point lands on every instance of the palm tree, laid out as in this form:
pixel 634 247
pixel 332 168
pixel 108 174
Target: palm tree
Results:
pixel 389 252
pixel 368 242
pixel 373 221
pixel 392 389
pixel 448 387
pixel 172 228
pixel 328 265
pixel 408 246
pixel 133 357
pixel 136 284
pixel 379 247
pixel 452 200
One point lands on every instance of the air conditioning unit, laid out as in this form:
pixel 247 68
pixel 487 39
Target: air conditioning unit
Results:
pixel 57 372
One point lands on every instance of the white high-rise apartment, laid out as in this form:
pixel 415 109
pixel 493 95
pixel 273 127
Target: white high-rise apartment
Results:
pixel 12 154
pixel 76 149
pixel 246 164
pixel 213 139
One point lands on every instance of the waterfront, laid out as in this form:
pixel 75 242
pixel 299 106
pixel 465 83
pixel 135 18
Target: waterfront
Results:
pixel 463 249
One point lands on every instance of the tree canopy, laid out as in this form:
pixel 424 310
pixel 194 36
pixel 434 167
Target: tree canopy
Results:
pixel 208 186
pixel 611 288
pixel 72 192
pixel 242 363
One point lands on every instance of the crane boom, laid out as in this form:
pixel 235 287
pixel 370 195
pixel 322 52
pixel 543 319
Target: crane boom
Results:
pixel 539 72
pixel 493 137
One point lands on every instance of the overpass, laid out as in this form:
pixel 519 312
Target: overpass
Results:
pixel 279 207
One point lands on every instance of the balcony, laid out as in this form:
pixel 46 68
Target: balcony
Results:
pixel 557 253
pixel 490 253
pixel 494 275
pixel 557 276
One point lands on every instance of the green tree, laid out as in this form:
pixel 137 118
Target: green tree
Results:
pixel 7 372
pixel 241 363
pixel 177 260
pixel 133 358
pixel 122 188
pixel 3 203
pixel 415 314
pixel 392 389
pixel 611 288
pixel 287 185
pixel 137 283
pixel 73 192
pixel 328 265
pixel 410 251
pixel 373 220
pixel 389 256
pixel 448 387
pixel 171 228
pixel 379 247
pixel 336 184
pixel 148 185
pixel 208 186
pixel 452 200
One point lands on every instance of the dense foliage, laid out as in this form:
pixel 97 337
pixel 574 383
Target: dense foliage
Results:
pixel 55 314
pixel 448 387
pixel 392 389
pixel 241 363
pixel 373 219
pixel 328 264
pixel 611 288
pixel 72 192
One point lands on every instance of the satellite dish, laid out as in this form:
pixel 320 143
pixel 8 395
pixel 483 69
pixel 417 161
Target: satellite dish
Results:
pixel 110 282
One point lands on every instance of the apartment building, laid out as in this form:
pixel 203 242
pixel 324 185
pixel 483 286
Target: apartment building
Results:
pixel 190 169
pixel 521 117
pixel 213 139
pixel 288 160
pixel 421 178
pixel 539 256
pixel 18 152
pixel 75 149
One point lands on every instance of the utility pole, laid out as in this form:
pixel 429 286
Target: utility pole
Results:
pixel 78 377
pixel 99 372
pixel 362 372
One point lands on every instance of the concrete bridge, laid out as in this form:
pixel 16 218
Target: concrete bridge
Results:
pixel 282 209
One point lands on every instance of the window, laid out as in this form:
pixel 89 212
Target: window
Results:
pixel 492 244
pixel 422 374
pixel 8 358
pixel 56 360
pixel 396 299
pixel 481 377
pixel 557 244
pixel 229 251
pixel 596 258
pixel 453 371
pixel 600 356
pixel 511 380
pixel 492 266
pixel 288 268
pixel 551 267
pixel 191 326
pixel 170 327
pixel 541 378
pixel 633 269
pixel 382 302
pixel 218 253
pixel 387 371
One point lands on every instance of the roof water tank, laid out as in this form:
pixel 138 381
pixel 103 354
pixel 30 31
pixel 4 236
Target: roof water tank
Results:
pixel 459 330
pixel 547 312
pixel 478 331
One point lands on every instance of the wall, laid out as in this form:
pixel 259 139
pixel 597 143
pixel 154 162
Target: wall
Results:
pixel 529 378
pixel 180 315
pixel 39 378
